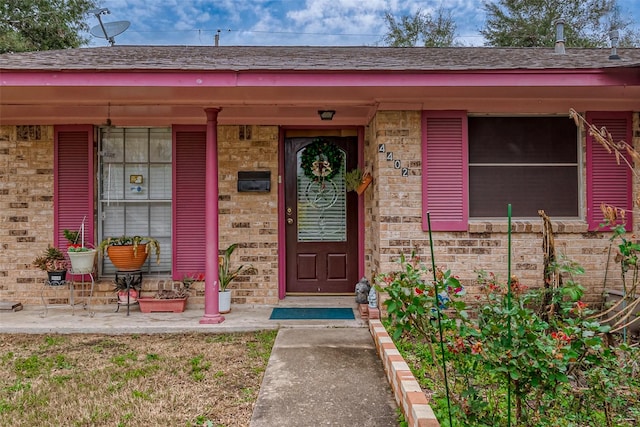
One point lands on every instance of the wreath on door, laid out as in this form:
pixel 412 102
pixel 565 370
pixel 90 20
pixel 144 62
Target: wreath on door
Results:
pixel 321 160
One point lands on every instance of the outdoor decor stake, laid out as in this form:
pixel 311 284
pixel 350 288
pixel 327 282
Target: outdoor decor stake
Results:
pixel 509 314
pixel 435 294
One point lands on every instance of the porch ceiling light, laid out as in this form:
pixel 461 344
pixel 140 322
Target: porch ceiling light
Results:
pixel 326 114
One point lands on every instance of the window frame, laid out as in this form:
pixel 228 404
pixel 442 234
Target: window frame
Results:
pixel 150 265
pixel 579 165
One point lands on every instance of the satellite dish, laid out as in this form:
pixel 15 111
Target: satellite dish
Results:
pixel 108 30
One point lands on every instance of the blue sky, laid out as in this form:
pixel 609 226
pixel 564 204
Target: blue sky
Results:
pixel 283 22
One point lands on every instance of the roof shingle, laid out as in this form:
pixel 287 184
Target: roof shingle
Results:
pixel 288 58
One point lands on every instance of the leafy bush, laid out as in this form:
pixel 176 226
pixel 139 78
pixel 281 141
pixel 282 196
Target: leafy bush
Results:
pixel 554 364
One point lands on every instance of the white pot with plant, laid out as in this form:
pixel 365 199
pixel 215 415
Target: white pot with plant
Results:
pixel 226 275
pixel 82 258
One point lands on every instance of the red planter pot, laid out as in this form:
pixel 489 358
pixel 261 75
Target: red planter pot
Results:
pixel 124 259
pixel 133 296
pixel 366 180
pixel 151 305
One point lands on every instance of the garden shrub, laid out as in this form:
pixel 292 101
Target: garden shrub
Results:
pixel 509 358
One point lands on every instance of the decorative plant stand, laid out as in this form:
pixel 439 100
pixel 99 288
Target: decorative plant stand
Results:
pixel 68 279
pixel 128 280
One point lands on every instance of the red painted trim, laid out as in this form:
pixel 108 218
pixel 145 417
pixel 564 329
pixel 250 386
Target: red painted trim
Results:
pixel 58 240
pixel 500 78
pixel 361 208
pixel 211 283
pixel 441 225
pixel 282 238
pixel 590 116
pixel 175 129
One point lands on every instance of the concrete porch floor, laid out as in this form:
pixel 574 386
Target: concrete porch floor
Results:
pixel 104 319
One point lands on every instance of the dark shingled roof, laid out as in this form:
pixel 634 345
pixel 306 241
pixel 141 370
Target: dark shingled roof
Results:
pixel 289 58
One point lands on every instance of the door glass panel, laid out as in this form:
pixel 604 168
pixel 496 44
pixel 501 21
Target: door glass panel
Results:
pixel 322 206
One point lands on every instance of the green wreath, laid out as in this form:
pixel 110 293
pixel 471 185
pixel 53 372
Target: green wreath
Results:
pixel 321 160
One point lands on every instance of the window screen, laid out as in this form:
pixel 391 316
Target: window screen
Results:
pixel 528 162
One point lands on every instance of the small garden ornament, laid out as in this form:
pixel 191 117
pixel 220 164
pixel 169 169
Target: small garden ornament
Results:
pixel 373 298
pixel 363 287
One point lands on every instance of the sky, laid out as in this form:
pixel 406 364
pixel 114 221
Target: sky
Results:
pixel 283 22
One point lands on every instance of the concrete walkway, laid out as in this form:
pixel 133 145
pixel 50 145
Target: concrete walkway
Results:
pixel 321 372
pixel 324 377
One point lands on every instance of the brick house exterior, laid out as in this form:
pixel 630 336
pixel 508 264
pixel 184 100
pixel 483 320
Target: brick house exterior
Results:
pixel 383 96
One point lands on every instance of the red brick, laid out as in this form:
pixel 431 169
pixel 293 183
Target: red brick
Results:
pixel 417 398
pixel 364 311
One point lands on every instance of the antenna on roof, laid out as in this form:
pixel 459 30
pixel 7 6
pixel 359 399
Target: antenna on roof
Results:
pixel 217 38
pixel 108 30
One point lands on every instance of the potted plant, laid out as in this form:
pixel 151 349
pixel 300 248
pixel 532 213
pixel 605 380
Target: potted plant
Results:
pixel 226 275
pixel 128 253
pixel 352 179
pixel 127 288
pixel 172 300
pixel 54 263
pixel 82 258
pixel 356 180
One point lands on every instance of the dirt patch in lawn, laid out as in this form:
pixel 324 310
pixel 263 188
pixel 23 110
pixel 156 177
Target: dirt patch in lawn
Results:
pixel 131 380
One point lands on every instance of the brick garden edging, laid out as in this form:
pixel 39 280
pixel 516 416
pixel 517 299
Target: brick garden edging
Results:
pixel 409 396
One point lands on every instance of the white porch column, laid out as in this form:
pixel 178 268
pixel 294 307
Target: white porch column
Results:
pixel 212 280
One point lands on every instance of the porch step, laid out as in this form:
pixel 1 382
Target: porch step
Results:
pixel 10 306
pixel 318 301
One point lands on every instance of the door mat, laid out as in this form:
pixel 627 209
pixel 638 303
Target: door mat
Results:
pixel 301 313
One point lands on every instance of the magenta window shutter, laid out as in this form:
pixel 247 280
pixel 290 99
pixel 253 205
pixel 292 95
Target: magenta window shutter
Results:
pixel 73 178
pixel 189 171
pixel 607 181
pixel 445 183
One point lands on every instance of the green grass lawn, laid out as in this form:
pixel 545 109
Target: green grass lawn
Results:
pixel 131 380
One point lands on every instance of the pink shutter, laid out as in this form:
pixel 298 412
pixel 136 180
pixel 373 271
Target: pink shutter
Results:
pixel 73 179
pixel 189 171
pixel 445 183
pixel 607 181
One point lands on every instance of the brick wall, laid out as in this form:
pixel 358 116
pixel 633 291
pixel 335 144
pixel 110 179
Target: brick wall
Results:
pixel 392 216
pixel 26 186
pixel 250 219
pixel 26 206
pixel 396 208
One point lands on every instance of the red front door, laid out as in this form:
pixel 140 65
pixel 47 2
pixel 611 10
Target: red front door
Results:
pixel 321 223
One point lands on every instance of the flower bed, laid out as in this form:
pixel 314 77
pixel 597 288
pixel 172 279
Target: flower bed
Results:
pixel 511 357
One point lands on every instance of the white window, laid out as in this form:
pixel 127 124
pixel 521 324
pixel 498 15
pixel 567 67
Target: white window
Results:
pixel 135 189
